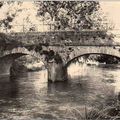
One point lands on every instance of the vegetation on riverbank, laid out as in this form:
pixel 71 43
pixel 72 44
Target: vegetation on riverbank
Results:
pixel 108 111
pixel 98 59
pixel 26 63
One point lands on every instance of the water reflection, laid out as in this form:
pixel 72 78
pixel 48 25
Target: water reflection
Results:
pixel 30 96
pixel 8 88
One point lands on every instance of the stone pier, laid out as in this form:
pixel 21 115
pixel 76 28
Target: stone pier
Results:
pixel 56 72
pixel 5 67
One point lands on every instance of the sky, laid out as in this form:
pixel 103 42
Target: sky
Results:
pixel 110 8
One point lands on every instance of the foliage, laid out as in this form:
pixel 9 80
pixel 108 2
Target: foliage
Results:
pixel 61 15
pixel 9 16
pixel 72 14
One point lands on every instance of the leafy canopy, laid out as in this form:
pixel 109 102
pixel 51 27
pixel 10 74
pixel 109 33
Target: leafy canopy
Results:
pixel 72 14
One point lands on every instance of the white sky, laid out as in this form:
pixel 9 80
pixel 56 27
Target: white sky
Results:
pixel 112 10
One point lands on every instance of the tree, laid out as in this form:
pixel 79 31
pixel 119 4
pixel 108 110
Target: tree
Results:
pixel 72 14
pixel 9 15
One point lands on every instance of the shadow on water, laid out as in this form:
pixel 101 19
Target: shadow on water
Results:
pixel 8 87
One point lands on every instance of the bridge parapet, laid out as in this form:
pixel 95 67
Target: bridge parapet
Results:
pixel 65 37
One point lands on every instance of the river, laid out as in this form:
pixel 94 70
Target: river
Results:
pixel 88 90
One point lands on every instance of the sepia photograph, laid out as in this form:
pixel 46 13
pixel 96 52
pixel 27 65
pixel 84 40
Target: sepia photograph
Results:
pixel 59 60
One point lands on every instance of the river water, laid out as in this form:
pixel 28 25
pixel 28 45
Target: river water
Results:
pixel 31 97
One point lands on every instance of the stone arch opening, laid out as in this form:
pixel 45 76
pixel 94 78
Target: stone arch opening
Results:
pixel 87 54
pixel 74 67
pixel 8 60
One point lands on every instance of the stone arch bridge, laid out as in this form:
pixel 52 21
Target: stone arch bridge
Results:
pixel 56 58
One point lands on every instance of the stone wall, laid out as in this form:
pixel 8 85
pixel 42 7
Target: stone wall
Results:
pixel 64 37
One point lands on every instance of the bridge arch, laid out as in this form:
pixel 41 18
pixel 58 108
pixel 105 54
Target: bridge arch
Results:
pixel 8 57
pixel 70 61
pixel 96 50
pixel 21 51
